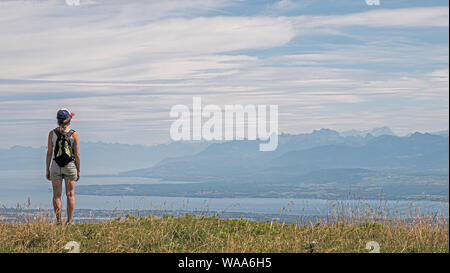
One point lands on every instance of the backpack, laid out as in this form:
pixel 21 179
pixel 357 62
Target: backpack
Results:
pixel 63 153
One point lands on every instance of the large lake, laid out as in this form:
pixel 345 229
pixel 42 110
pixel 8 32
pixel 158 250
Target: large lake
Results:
pixel 17 187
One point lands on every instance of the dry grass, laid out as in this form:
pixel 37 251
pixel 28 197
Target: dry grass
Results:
pixel 341 231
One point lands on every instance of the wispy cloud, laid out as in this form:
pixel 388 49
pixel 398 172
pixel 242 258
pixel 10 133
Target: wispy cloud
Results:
pixel 122 64
pixel 406 17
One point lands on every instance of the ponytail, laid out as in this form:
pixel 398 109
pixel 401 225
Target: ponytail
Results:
pixel 65 122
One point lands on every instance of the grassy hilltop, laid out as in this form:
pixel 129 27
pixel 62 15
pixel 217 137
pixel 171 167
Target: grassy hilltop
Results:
pixel 213 234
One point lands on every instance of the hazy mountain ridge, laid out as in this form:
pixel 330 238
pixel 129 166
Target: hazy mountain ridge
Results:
pixel 99 156
pixel 241 157
pixel 225 158
pixel 321 149
pixel 418 151
pixel 379 131
pixel 322 164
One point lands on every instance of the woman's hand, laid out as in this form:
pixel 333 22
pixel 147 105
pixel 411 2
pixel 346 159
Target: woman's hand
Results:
pixel 47 175
pixel 78 175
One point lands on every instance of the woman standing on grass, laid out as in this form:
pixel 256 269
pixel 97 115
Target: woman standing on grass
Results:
pixel 63 153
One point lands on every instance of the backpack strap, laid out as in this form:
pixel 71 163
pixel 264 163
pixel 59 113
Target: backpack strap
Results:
pixel 58 135
pixel 70 133
pixel 57 132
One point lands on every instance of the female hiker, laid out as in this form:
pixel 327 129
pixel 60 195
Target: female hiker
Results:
pixel 64 156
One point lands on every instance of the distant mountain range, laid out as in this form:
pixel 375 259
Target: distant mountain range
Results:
pixel 363 147
pixel 320 164
pixel 99 156
pixel 379 131
pixel 300 154
pixel 309 165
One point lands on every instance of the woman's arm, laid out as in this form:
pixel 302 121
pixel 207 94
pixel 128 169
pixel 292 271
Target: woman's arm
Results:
pixel 76 149
pixel 49 155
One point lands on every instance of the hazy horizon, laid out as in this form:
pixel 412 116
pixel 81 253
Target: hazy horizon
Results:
pixel 205 141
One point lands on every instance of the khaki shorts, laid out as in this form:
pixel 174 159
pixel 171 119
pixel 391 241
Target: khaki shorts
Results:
pixel 68 172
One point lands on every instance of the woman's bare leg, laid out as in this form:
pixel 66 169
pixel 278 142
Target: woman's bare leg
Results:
pixel 57 191
pixel 70 193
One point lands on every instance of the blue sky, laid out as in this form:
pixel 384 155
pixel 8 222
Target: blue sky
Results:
pixel 121 65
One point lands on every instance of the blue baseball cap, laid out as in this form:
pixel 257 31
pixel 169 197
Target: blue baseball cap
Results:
pixel 64 114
